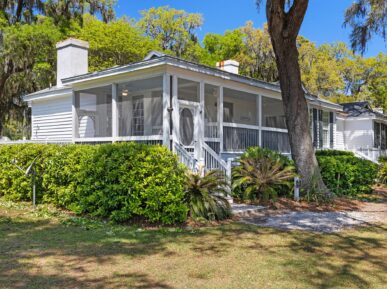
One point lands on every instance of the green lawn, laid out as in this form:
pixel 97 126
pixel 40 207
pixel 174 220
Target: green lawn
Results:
pixel 48 250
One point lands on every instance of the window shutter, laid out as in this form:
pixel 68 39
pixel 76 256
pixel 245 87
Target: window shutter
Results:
pixel 331 132
pixel 315 127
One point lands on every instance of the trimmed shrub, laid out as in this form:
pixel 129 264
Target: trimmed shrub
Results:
pixel 14 185
pixel 127 179
pixel 382 159
pixel 63 176
pixel 346 174
pixel 382 173
pixel 331 153
pixel 114 181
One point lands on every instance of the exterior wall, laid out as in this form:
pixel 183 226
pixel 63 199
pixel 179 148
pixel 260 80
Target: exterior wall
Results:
pixel 340 139
pixel 358 133
pixel 52 118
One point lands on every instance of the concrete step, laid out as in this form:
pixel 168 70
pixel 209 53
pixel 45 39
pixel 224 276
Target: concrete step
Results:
pixel 245 210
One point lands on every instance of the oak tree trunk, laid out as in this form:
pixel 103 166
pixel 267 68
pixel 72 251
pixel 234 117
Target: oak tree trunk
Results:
pixel 283 28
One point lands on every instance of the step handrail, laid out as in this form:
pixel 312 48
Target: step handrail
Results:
pixel 220 163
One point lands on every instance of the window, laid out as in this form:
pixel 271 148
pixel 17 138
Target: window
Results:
pixel 325 129
pixel 138 116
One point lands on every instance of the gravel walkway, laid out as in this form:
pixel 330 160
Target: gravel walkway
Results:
pixel 321 221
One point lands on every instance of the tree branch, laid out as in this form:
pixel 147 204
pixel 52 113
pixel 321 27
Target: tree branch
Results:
pixel 295 17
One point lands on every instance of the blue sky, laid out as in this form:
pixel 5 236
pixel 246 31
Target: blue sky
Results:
pixel 322 23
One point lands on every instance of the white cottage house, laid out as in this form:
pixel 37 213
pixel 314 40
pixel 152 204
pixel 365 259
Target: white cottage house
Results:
pixel 362 129
pixel 202 113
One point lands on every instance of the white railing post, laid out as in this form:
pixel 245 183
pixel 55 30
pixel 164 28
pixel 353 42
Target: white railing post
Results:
pixel 201 123
pixel 259 103
pixel 229 167
pixel 175 111
pixel 220 117
pixel 166 105
pixel 75 122
pixel 297 185
pixel 114 111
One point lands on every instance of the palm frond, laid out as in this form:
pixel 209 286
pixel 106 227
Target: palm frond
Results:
pixel 206 195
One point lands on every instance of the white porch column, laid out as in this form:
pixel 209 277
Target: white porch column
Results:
pixel 166 99
pixel 175 112
pixel 114 112
pixel 75 122
pixel 259 112
pixel 220 117
pixel 201 123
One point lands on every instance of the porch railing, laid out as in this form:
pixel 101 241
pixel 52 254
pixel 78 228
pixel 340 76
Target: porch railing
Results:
pixel 48 141
pixel 238 137
pixel 369 153
pixel 185 157
pixel 213 161
pixel 211 130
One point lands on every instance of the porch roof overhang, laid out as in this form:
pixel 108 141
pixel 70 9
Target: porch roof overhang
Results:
pixel 165 60
pixel 171 61
pixel 48 93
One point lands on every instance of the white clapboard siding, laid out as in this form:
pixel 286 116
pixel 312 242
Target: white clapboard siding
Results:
pixel 52 118
pixel 339 134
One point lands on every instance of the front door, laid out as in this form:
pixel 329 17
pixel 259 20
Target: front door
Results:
pixel 188 126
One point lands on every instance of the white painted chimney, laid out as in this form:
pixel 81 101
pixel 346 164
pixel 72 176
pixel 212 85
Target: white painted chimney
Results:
pixel 229 66
pixel 72 59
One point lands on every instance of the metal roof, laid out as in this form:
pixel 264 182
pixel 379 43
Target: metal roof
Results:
pixel 155 58
pixel 361 109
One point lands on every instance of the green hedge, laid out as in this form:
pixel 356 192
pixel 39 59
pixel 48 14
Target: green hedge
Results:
pixel 114 181
pixel 345 174
pixel 331 153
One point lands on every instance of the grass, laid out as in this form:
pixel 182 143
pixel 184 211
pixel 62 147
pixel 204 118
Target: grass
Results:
pixel 49 249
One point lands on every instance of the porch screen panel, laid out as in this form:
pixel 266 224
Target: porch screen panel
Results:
pixel 188 90
pixel 239 139
pixel 278 141
pixel 239 107
pixel 211 104
pixel 273 114
pixel 94 111
pixel 140 108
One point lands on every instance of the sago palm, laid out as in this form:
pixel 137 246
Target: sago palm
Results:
pixel 206 195
pixel 261 176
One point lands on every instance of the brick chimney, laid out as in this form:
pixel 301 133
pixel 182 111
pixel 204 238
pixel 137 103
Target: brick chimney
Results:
pixel 229 66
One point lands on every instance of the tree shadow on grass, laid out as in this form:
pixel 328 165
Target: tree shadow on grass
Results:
pixel 45 254
pixel 333 260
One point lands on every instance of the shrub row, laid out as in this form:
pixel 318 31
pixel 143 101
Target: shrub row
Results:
pixel 114 181
pixel 345 174
pixel 382 174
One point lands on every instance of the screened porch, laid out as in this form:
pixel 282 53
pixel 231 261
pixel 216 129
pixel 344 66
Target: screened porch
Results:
pixel 167 109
